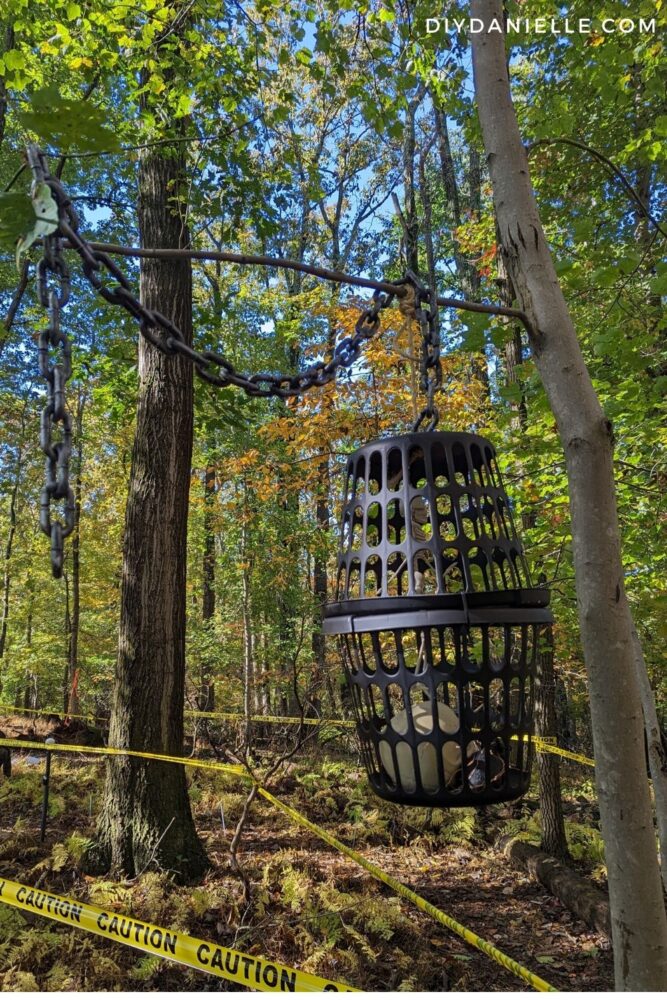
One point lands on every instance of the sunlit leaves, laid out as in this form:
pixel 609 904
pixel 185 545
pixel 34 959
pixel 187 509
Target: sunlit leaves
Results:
pixel 66 123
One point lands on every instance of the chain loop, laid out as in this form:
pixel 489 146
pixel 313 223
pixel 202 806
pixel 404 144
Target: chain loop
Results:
pixel 210 366
pixel 53 290
pixel 426 314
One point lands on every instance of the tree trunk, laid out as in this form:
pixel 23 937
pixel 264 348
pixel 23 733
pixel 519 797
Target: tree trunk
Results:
pixel 320 584
pixel 264 694
pixel 206 701
pixel 582 899
pixel 248 641
pixel 566 725
pixel 554 840
pixel 639 924
pixel 657 759
pixel 410 219
pixel 146 817
pixel 513 354
pixel 9 546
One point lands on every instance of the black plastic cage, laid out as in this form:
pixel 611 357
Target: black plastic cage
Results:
pixel 437 622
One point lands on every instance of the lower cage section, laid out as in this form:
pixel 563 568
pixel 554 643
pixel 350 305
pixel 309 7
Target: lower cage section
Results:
pixel 445 712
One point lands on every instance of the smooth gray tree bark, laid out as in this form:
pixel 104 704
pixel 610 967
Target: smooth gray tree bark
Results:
pixel 639 924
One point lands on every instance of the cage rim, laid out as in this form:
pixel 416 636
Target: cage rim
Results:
pixel 526 597
pixel 406 619
pixel 468 437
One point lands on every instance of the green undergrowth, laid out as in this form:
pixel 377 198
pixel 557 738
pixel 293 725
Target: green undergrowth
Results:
pixel 301 912
pixel 582 828
pixel 308 906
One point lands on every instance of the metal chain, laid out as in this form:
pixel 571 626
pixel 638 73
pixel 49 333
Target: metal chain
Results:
pixel 430 367
pixel 211 366
pixel 53 289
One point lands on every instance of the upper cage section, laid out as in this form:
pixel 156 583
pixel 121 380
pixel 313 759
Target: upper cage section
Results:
pixel 426 515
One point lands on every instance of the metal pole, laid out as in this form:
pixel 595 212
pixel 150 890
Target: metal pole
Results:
pixel 45 785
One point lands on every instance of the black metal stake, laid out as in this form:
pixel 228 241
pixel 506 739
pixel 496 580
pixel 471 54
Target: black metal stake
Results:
pixel 45 785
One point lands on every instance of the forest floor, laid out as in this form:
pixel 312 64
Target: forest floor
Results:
pixel 310 907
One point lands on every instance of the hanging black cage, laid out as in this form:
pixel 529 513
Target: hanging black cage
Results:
pixel 438 624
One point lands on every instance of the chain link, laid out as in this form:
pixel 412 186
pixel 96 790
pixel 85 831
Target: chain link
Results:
pixel 53 290
pixel 426 314
pixel 211 366
pixel 158 329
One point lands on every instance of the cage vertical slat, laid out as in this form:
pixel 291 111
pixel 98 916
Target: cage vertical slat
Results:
pixel 435 612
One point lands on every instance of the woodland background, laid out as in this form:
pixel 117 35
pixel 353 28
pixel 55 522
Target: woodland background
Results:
pixel 343 137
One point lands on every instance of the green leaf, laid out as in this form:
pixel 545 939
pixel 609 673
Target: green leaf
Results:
pixel 474 337
pixel 304 56
pixel 658 285
pixel 67 123
pixel 17 215
pixel 14 59
pixel 45 219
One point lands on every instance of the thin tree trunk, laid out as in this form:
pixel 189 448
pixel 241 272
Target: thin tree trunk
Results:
pixel 263 682
pixel 320 583
pixel 447 170
pixel 68 631
pixel 427 206
pixel 639 924
pixel 554 840
pixel 9 547
pixel 206 688
pixel 513 354
pixel 566 726
pixel 248 650
pixel 323 512
pixel 146 817
pixel 657 758
pixel 409 217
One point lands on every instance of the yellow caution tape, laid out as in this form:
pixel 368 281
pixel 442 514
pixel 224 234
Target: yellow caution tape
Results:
pixel 549 744
pixel 543 747
pixel 474 939
pixel 543 744
pixel 210 765
pixel 229 716
pixel 248 970
pixel 463 932
pixel 17 710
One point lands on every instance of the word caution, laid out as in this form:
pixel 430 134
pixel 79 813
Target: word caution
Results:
pixel 248 970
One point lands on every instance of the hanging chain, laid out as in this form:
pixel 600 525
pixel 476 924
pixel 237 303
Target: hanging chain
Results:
pixel 53 289
pixel 211 366
pixel 426 314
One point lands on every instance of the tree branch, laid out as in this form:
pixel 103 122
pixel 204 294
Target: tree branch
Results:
pixel 616 171
pixel 319 272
